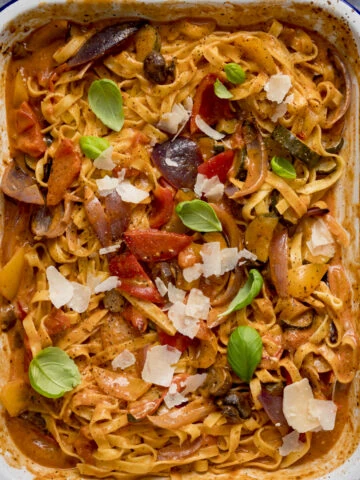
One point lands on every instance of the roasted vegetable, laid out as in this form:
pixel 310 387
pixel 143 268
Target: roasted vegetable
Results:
pixel 147 40
pixel 178 161
pixel 104 42
pixel 156 70
pixel 296 147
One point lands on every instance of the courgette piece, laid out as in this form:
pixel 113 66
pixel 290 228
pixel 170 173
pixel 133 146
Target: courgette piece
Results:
pixel 296 147
pixel 147 39
pixel 336 149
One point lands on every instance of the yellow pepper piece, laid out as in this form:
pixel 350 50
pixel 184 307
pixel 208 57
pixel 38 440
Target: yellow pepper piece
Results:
pixel 11 273
pixel 16 397
pixel 303 280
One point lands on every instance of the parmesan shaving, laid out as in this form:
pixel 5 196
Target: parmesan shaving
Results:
pixel 291 443
pixel 212 188
pixel 80 299
pixel 60 289
pixel 205 128
pixel 173 122
pixel 277 87
pixel 158 367
pixel 124 360
pixel 104 160
pixel 109 284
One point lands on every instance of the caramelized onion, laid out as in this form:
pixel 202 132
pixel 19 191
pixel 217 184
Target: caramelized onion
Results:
pixel 179 417
pixel 118 214
pixel 51 222
pixel 19 185
pixel 178 452
pixel 97 217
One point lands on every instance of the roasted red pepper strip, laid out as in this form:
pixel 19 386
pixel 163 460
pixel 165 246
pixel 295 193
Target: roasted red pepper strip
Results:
pixel 30 139
pixel 218 165
pixel 133 278
pixel 155 245
pixel 206 104
pixel 178 341
pixel 65 169
pixel 162 206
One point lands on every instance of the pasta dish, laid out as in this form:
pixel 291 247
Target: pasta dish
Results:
pixel 171 279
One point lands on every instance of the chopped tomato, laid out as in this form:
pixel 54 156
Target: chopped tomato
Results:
pixel 30 139
pixel 178 341
pixel 65 169
pixel 206 104
pixel 162 206
pixel 133 278
pixel 218 165
pixel 56 322
pixel 155 245
pixel 135 318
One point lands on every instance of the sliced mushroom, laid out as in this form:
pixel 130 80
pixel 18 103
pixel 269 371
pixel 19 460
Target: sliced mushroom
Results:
pixel 156 70
pixel 236 406
pixel 218 381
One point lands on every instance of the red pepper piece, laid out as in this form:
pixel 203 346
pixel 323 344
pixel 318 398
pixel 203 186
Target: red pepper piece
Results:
pixel 65 169
pixel 135 318
pixel 30 139
pixel 218 165
pixel 133 278
pixel 162 206
pixel 155 245
pixel 178 341
pixel 206 104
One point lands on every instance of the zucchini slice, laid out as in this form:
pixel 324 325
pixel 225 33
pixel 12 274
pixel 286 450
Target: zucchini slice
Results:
pixel 147 39
pixel 296 147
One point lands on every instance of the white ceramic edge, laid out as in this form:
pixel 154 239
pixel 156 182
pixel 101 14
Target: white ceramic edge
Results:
pixel 350 469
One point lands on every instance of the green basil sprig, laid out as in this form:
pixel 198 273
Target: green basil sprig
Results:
pixel 234 73
pixel 244 351
pixel 246 294
pixel 52 373
pixel 92 147
pixel 105 101
pixel 283 168
pixel 199 216
pixel 221 91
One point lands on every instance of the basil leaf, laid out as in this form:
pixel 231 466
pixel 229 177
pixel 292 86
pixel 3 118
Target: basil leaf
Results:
pixel 106 102
pixel 283 168
pixel 198 216
pixel 246 294
pixel 221 91
pixel 52 373
pixel 93 146
pixel 234 73
pixel 244 351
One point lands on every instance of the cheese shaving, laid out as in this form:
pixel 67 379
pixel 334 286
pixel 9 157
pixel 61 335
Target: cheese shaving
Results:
pixel 109 284
pixel 158 367
pixel 60 289
pixel 277 87
pixel 124 360
pixel 205 128
pixel 104 160
pixel 291 443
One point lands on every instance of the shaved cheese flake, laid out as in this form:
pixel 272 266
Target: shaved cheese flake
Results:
pixel 160 285
pixel 277 87
pixel 110 249
pixel 173 399
pixel 291 443
pixel 193 273
pixel 109 284
pixel 197 305
pixel 104 160
pixel 61 290
pixel 129 193
pixel 158 367
pixel 106 185
pixel 247 255
pixel 173 122
pixel 205 128
pixel 212 188
pixel 170 163
pixel 124 360
pixel 80 299
pixel 175 294
pixel 324 411
pixel 194 382
pixel 229 258
pixel 321 241
pixel 303 412
pixel 188 326
pixel 282 108
pixel 210 254
pixel 296 406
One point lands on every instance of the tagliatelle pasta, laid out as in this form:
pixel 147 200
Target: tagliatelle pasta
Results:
pixel 169 225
